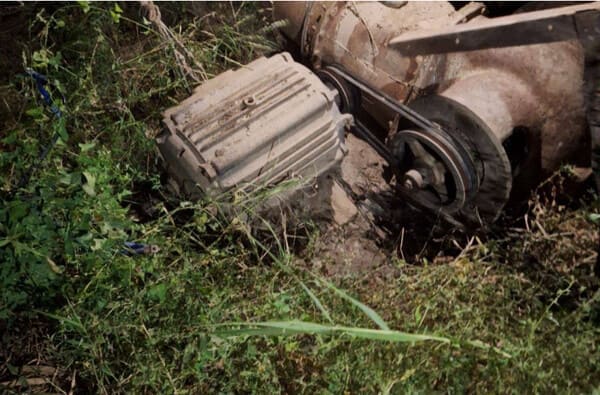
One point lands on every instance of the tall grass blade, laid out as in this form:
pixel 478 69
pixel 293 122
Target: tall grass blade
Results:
pixel 77 325
pixel 485 346
pixel 316 301
pixel 372 314
pixel 289 328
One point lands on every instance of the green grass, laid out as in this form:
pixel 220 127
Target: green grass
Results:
pixel 218 309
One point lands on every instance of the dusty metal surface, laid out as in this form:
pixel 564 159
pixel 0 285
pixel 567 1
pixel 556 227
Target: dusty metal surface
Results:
pixel 253 127
pixel 355 36
pixel 535 89
pixel 293 12
pixel 562 24
pixel 579 22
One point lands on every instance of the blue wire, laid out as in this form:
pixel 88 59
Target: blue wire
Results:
pixel 132 248
pixel 40 81
pixel 135 248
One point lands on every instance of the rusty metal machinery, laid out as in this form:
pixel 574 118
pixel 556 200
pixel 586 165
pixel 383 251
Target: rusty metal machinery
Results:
pixel 497 119
pixel 576 22
pixel 462 131
pixel 253 127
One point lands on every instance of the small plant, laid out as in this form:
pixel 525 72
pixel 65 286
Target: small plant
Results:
pixel 68 218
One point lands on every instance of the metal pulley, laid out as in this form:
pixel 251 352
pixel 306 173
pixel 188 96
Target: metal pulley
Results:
pixel 430 173
pixel 439 152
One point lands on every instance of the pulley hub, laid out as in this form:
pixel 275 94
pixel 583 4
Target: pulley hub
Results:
pixel 435 174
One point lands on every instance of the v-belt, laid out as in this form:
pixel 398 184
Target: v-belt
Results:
pixel 458 155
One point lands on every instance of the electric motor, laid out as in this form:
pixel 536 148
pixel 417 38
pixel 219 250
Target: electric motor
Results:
pixel 267 121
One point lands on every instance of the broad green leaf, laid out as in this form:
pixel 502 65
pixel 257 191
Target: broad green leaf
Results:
pixel 55 59
pixel 115 13
pixel 40 58
pixel 158 292
pixel 17 211
pixel 88 187
pixel 85 6
pixel 35 113
pixel 84 147
pixel 61 129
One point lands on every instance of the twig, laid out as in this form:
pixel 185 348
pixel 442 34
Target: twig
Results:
pixel 464 250
pixel 71 391
pixel 154 16
pixel 402 244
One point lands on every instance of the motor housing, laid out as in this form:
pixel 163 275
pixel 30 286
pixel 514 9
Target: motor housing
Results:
pixel 267 121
